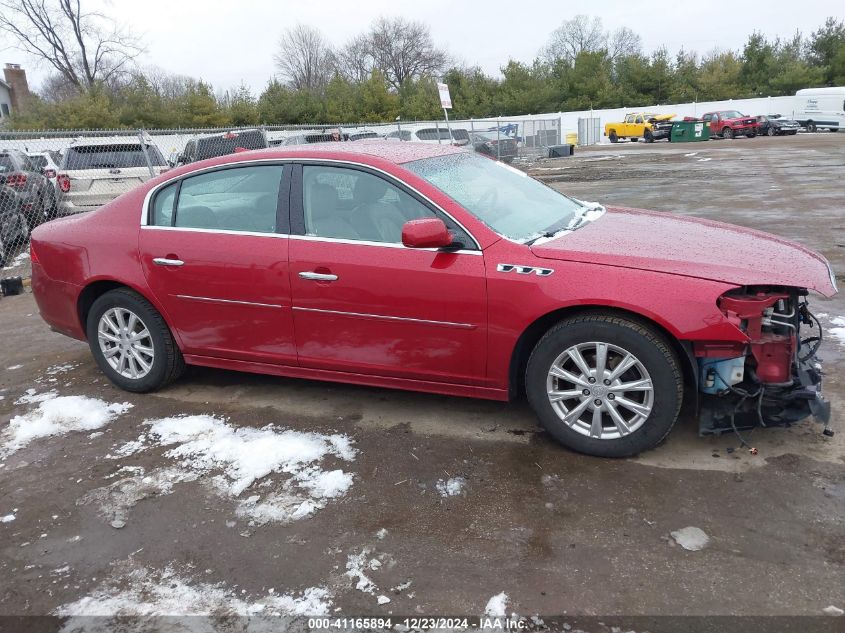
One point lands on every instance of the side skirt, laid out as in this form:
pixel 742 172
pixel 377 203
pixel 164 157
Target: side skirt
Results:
pixel 388 382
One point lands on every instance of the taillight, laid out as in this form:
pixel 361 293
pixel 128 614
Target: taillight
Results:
pixel 50 173
pixel 64 182
pixel 18 181
pixel 32 256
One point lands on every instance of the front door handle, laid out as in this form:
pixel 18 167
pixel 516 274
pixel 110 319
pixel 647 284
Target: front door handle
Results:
pixel 164 261
pixel 318 276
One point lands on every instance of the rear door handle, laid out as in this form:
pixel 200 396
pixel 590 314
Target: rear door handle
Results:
pixel 318 276
pixel 164 261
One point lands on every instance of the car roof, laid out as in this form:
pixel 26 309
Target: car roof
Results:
pixel 397 152
pixel 113 140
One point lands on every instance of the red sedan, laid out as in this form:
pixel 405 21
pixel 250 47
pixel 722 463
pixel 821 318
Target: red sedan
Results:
pixel 431 268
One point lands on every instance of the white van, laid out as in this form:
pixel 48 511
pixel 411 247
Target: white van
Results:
pixel 821 108
pixel 431 134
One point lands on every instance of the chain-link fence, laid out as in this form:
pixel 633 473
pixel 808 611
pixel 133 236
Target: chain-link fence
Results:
pixel 48 174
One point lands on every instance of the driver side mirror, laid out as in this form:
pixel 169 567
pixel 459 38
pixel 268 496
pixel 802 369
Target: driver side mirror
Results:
pixel 426 233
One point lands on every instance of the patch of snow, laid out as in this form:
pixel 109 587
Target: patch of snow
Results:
pixel 837 332
pixel 240 457
pixel 115 500
pixel 58 416
pixel 17 261
pixel 381 534
pixel 356 565
pixel 832 610
pixel 451 487
pixel 497 605
pixel 382 599
pixel 13 367
pixel 143 592
pixel 691 154
pixel 8 518
pixel 691 538
pixel 61 369
pixel 31 397
pixel 704 160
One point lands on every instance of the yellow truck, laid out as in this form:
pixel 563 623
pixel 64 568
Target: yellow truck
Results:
pixel 640 125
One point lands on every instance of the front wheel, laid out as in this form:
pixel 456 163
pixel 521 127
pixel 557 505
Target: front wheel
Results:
pixel 605 385
pixel 613 138
pixel 811 127
pixel 770 131
pixel 131 343
pixel 727 133
pixel 648 136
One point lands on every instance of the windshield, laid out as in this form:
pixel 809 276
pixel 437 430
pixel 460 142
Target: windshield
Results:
pixel 111 156
pixel 731 114
pixel 504 198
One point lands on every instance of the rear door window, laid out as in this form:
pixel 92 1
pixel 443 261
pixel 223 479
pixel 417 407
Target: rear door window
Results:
pixel 235 199
pixel 123 156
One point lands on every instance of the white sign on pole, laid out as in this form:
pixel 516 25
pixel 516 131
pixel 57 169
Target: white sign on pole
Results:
pixel 445 98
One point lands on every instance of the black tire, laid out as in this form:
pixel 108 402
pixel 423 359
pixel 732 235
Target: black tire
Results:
pixel 633 139
pixel 811 127
pixel 727 133
pixel 642 341
pixel 648 136
pixel 770 131
pixel 750 134
pixel 168 363
pixel 612 136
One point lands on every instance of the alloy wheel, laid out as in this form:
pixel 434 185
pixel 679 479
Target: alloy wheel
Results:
pixel 126 343
pixel 600 390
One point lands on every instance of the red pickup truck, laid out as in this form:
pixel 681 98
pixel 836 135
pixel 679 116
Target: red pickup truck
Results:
pixel 731 123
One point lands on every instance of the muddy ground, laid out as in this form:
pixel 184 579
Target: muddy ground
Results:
pixel 557 532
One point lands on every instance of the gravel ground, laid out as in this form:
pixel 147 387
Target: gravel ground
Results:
pixel 294 497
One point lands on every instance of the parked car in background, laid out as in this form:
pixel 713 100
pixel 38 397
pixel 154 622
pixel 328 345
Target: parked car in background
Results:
pixel 821 108
pixel 438 135
pixel 360 135
pixel 37 195
pixel 640 125
pixel 48 163
pixel 775 125
pixel 212 145
pixel 96 171
pixel 432 268
pixel 499 146
pixel 730 124
pixel 318 136
pixel 14 230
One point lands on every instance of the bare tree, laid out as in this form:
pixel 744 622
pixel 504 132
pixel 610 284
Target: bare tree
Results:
pixel 355 60
pixel 580 34
pixel 403 49
pixel 305 59
pixel 624 42
pixel 84 48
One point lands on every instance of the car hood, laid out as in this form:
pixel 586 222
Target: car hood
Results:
pixel 682 245
pixel 661 117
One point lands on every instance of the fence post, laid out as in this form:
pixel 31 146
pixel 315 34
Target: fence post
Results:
pixel 498 139
pixel 146 153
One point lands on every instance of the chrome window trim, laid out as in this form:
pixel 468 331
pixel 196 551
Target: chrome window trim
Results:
pixel 153 227
pixel 338 240
pixel 229 301
pixel 302 161
pixel 462 326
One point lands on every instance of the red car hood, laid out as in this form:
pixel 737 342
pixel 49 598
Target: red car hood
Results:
pixel 682 245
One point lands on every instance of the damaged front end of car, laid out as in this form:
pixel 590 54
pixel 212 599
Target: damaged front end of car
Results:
pixel 774 377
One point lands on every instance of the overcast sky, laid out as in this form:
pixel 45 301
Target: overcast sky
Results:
pixel 227 43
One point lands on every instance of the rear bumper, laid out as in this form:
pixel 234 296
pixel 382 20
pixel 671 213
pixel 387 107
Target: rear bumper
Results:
pixel 68 207
pixel 57 303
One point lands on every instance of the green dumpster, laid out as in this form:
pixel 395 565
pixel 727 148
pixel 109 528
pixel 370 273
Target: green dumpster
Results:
pixel 689 131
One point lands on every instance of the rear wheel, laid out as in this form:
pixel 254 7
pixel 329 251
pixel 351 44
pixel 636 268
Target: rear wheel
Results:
pixel 131 343
pixel 811 127
pixel 605 385
pixel 727 133
pixel 770 131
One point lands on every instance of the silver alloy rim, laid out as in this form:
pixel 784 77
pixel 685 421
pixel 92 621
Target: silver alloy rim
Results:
pixel 600 390
pixel 126 343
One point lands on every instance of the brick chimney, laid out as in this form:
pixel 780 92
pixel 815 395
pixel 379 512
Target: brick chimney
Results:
pixel 15 76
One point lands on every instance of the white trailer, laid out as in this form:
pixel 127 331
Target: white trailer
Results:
pixel 821 108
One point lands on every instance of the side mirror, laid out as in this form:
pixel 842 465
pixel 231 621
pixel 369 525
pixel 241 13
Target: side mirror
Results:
pixel 426 233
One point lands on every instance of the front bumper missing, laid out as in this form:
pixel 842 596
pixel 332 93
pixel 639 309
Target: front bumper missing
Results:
pixel 775 406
